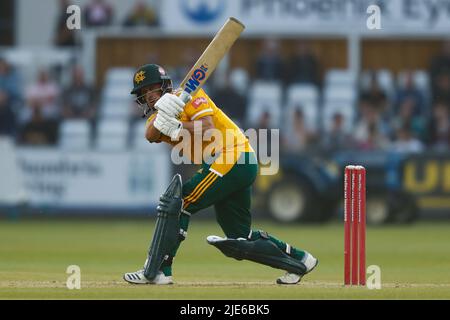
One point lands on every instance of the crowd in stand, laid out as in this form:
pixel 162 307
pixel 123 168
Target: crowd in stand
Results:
pixel 101 13
pixel 31 114
pixel 406 118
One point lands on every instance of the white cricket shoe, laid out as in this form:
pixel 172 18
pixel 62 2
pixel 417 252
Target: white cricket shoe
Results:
pixel 139 278
pixel 289 278
pixel 292 278
pixel 161 278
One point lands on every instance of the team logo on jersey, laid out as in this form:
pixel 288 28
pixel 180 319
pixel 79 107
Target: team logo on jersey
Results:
pixel 199 101
pixel 139 77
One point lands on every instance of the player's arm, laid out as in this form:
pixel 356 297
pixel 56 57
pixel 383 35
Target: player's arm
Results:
pixel 154 135
pixel 206 123
pixel 151 133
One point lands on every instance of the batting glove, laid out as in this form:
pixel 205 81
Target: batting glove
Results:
pixel 170 104
pixel 167 125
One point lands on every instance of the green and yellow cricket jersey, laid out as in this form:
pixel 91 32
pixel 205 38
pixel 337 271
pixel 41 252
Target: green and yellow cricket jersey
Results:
pixel 228 150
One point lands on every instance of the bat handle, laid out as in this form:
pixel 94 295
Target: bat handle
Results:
pixel 186 97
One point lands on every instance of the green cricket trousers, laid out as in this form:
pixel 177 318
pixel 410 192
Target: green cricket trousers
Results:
pixel 231 197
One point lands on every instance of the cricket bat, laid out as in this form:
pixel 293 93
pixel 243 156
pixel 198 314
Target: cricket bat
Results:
pixel 210 58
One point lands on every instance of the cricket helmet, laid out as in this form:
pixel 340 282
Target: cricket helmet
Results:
pixel 150 74
pixel 147 75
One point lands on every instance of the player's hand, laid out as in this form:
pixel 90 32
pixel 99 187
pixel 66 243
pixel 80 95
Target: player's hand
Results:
pixel 170 104
pixel 168 125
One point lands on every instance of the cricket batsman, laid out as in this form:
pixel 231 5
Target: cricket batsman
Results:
pixel 221 183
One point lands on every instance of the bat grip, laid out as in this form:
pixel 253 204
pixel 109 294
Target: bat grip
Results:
pixel 186 97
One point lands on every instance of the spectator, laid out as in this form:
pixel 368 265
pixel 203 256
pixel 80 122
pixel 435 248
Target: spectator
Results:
pixel 299 137
pixel 440 66
pixel 79 98
pixel 98 13
pixel 9 96
pixel 45 94
pixel 9 82
pixel 407 115
pixel 412 94
pixel 64 37
pixel 39 130
pixel 375 140
pixel 375 96
pixel 405 142
pixel 439 127
pixel 337 138
pixel 303 66
pixel 265 123
pixel 441 91
pixel 371 132
pixel 269 65
pixel 141 15
pixel 230 99
pixel 7 117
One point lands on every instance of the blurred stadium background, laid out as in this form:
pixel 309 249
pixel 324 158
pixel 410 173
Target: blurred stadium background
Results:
pixel 72 142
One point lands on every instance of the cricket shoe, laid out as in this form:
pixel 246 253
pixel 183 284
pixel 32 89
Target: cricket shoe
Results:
pixel 139 278
pixel 292 278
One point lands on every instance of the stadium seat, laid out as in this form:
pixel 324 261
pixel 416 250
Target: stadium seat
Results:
pixel 264 97
pixel 340 77
pixel 306 98
pixel 257 109
pixel 57 56
pixel 331 108
pixel 119 76
pixel 113 109
pixel 364 80
pixel 116 101
pixel 421 79
pixel 386 81
pixel 340 93
pixel 384 77
pixel 310 112
pixel 138 141
pixel 75 135
pixel 299 93
pixel 266 92
pixel 239 80
pixel 19 57
pixel 117 92
pixel 112 135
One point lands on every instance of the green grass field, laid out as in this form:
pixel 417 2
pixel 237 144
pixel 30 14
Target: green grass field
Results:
pixel 34 255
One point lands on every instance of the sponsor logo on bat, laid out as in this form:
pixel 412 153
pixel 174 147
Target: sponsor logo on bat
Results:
pixel 197 76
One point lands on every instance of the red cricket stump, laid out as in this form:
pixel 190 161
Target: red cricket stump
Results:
pixel 362 228
pixel 347 212
pixel 355 218
pixel 354 225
